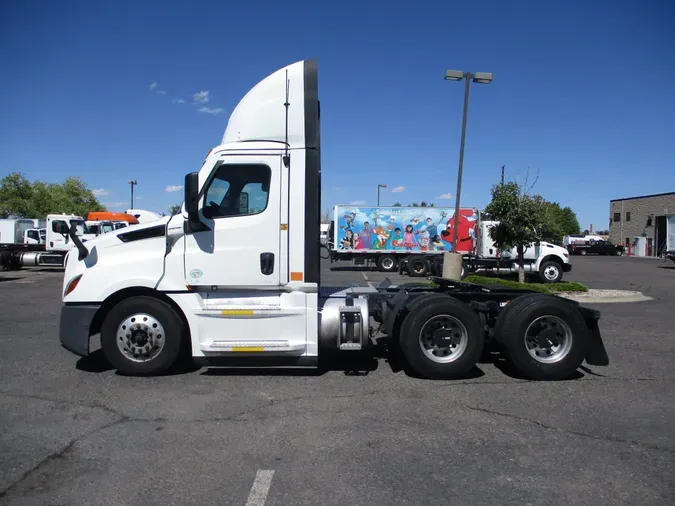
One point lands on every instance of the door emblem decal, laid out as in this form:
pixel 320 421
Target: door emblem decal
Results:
pixel 196 274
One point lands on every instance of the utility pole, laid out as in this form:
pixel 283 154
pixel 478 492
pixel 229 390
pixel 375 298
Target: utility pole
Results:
pixel 503 173
pixel 132 183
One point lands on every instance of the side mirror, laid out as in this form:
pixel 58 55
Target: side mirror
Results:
pixel 192 196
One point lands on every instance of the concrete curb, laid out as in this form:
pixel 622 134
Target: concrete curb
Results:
pixel 596 296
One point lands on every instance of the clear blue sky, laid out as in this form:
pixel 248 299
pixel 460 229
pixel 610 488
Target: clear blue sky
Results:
pixel 583 91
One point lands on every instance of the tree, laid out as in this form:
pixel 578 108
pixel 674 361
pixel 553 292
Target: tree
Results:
pixel 560 221
pixel 174 209
pixel 326 216
pixel 20 198
pixel 521 219
pixel 398 204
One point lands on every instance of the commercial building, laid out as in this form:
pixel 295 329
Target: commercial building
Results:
pixel 643 221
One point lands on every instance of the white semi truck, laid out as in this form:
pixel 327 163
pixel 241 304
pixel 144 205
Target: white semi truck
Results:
pixel 52 246
pixel 234 279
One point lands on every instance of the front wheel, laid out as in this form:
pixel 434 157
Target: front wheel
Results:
pixel 142 336
pixel 583 252
pixel 550 271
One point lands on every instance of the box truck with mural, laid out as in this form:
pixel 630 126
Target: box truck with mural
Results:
pixel 413 240
pixel 383 236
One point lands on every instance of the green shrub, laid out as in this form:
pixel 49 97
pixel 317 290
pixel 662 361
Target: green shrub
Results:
pixel 538 287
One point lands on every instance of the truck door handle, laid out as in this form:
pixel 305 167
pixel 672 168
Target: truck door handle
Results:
pixel 267 263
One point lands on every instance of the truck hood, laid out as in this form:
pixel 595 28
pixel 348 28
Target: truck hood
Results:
pixel 129 257
pixel 129 234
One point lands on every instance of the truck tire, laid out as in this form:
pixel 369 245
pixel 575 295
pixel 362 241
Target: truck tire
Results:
pixel 544 336
pixel 142 336
pixel 582 252
pixel 550 271
pixel 418 267
pixel 387 263
pixel 442 338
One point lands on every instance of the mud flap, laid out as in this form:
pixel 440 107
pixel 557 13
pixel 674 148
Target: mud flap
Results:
pixel 596 354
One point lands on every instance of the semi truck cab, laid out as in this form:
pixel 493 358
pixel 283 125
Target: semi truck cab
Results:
pixel 234 278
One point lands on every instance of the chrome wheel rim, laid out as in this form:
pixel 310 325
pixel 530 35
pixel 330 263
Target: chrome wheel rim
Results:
pixel 551 272
pixel 387 263
pixel 140 337
pixel 548 339
pixel 443 339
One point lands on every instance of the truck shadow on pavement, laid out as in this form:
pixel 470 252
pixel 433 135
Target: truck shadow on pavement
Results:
pixel 347 364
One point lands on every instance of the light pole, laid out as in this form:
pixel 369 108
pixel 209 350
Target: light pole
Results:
pixel 378 192
pixel 132 183
pixel 480 78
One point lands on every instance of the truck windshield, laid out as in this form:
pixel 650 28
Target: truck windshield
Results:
pixel 81 227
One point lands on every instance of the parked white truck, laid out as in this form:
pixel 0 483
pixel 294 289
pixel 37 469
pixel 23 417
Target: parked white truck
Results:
pixel 21 231
pixel 234 279
pixel 53 243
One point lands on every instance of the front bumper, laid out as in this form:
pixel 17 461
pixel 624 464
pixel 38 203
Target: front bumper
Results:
pixel 75 326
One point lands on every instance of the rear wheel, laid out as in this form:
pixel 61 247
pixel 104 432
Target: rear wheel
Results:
pixel 386 263
pixel 545 337
pixel 442 338
pixel 418 267
pixel 142 336
pixel 583 252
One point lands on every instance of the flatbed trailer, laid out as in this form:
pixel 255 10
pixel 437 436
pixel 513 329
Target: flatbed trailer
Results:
pixel 180 287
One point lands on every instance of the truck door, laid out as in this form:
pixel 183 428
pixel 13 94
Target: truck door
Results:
pixel 239 246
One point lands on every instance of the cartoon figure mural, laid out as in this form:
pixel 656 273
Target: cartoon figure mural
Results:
pixel 466 230
pixel 402 229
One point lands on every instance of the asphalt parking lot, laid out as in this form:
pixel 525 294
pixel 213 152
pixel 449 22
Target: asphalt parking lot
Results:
pixel 73 432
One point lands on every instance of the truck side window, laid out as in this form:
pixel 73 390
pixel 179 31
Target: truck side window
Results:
pixel 237 190
pixel 59 226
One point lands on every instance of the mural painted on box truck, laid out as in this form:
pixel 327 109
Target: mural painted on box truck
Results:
pixel 402 229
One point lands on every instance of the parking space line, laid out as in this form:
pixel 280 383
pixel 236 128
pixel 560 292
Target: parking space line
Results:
pixel 260 488
pixel 366 278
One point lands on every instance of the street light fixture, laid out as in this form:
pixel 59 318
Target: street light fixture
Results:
pixel 479 78
pixel 378 192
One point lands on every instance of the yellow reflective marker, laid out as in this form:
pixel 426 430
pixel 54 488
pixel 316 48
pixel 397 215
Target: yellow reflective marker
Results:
pixel 248 348
pixel 237 312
